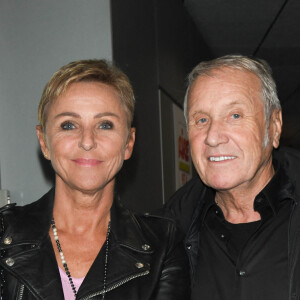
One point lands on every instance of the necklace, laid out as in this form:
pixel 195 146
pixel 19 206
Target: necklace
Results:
pixel 64 263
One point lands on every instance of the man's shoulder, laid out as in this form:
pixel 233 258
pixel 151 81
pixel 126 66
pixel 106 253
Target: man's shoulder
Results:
pixel 188 193
pixel 287 152
pixel 289 158
pixel 184 202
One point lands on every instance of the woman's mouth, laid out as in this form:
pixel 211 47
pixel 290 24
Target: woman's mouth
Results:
pixel 87 162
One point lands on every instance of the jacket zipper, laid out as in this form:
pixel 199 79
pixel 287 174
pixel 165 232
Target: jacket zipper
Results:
pixel 21 292
pixel 117 284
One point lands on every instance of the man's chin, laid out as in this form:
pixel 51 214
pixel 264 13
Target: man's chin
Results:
pixel 220 185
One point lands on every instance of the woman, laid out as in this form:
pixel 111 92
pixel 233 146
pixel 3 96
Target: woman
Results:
pixel 76 241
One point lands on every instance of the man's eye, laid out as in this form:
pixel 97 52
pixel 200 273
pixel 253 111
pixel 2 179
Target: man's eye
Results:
pixel 106 125
pixel 202 121
pixel 235 116
pixel 67 126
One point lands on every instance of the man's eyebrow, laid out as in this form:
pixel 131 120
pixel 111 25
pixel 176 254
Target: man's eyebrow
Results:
pixel 197 112
pixel 230 104
pixel 75 115
pixel 236 102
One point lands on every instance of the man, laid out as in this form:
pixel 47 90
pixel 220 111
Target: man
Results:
pixel 240 218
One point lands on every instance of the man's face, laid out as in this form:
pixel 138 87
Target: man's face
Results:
pixel 226 130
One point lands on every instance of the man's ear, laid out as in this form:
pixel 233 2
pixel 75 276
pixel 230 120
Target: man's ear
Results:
pixel 41 137
pixel 130 144
pixel 276 126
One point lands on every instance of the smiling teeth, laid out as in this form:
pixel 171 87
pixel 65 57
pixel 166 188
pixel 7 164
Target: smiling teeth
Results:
pixel 220 158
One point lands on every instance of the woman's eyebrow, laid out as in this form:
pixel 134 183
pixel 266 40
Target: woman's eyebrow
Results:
pixel 100 115
pixel 67 114
pixel 75 115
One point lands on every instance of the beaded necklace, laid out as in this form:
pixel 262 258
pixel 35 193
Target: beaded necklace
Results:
pixel 64 263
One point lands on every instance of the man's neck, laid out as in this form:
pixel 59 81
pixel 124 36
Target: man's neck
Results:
pixel 237 210
pixel 237 203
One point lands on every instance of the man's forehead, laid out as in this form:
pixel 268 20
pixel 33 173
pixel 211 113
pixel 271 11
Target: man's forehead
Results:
pixel 224 89
pixel 233 73
pixel 223 77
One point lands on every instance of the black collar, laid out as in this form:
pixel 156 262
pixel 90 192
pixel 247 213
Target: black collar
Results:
pixel 31 224
pixel 279 189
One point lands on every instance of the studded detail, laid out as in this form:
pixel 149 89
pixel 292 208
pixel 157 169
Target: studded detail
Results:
pixel 146 247
pixel 10 262
pixel 139 265
pixel 7 240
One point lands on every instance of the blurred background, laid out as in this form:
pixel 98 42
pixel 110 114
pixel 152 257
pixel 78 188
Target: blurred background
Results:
pixel 157 43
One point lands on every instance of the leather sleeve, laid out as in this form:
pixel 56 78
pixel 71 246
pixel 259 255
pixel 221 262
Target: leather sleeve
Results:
pixel 174 282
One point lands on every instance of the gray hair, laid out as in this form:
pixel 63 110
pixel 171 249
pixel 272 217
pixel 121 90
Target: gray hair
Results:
pixel 258 67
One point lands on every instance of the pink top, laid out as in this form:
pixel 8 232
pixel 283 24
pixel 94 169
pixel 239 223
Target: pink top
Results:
pixel 68 292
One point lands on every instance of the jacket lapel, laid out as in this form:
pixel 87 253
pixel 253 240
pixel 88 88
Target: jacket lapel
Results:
pixel 128 258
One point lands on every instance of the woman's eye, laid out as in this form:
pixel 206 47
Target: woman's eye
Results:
pixel 67 126
pixel 236 116
pixel 106 125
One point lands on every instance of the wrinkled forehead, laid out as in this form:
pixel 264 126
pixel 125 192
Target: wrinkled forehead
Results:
pixel 84 85
pixel 230 75
pixel 237 83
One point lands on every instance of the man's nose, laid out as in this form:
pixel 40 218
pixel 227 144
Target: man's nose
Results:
pixel 87 140
pixel 216 134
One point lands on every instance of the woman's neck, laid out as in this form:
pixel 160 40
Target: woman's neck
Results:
pixel 78 212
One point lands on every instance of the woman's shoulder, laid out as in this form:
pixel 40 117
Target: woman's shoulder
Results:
pixel 31 218
pixel 40 205
pixel 151 227
pixel 156 220
pixel 159 227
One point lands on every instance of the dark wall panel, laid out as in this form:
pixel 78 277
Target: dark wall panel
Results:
pixel 180 47
pixel 156 44
pixel 134 50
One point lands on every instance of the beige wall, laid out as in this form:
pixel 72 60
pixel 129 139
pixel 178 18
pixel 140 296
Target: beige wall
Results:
pixel 36 38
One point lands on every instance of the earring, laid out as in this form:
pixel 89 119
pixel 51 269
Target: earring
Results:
pixel 45 155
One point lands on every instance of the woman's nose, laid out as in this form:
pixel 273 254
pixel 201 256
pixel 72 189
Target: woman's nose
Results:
pixel 87 140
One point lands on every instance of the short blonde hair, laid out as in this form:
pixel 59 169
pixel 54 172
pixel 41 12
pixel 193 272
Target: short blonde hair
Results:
pixel 92 70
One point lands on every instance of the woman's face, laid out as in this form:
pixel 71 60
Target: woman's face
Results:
pixel 86 136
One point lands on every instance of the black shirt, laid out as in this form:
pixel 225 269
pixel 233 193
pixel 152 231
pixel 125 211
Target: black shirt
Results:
pixel 245 261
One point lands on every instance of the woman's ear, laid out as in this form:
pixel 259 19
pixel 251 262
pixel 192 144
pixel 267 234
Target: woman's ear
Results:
pixel 41 137
pixel 130 144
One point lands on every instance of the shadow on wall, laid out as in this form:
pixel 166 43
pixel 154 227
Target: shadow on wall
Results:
pixel 47 169
pixel 126 177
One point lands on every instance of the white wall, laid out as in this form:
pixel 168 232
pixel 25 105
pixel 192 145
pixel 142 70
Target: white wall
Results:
pixel 36 38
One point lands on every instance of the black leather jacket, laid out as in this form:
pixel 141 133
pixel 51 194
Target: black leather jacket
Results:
pixel 135 271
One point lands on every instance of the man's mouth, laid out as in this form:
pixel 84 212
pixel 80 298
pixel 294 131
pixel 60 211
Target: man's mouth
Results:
pixel 221 158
